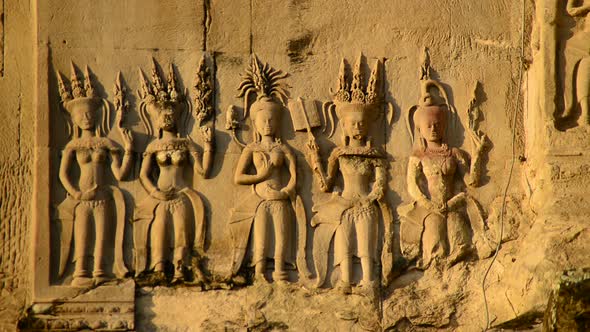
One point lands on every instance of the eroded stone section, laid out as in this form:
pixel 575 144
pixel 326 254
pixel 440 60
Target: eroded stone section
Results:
pixel 261 307
pixel 350 218
pixel 173 214
pixel 91 309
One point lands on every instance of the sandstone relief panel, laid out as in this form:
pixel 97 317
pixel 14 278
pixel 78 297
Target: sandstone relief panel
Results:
pixel 374 201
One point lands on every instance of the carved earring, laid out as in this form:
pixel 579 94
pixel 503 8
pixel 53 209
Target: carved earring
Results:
pixel 345 138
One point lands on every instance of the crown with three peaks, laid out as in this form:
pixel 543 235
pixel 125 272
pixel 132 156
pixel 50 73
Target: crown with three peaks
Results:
pixel 157 92
pixel 80 93
pixel 353 91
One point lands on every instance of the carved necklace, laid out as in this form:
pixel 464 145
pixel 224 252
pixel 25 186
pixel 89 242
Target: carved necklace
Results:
pixel 443 150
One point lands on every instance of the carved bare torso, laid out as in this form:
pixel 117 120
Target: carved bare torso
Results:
pixel 269 188
pixel 171 163
pixel 91 162
pixel 357 173
pixel 439 171
pixel 92 157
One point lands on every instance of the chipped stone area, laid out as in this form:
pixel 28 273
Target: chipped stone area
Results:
pixel 107 307
pixel 262 307
pixel 568 308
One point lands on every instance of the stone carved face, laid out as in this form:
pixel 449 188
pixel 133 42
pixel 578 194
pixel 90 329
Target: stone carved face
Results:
pixel 84 116
pixel 166 118
pixel 432 123
pixel 266 117
pixel 354 120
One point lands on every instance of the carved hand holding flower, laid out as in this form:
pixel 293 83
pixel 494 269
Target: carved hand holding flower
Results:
pixel 479 140
pixel 313 150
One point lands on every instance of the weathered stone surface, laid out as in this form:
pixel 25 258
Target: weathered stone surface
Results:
pixel 257 308
pixel 540 122
pixel 568 307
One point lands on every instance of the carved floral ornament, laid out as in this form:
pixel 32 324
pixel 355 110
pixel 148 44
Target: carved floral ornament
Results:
pixel 442 225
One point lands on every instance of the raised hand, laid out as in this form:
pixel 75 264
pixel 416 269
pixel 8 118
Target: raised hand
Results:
pixel 127 137
pixel 478 139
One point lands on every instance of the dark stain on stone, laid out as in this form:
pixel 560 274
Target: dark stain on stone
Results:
pixel 300 3
pixel 300 48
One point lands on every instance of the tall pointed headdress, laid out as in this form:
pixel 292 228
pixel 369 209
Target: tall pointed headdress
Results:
pixel 352 91
pixel 82 93
pixel 429 100
pixel 264 81
pixel 157 95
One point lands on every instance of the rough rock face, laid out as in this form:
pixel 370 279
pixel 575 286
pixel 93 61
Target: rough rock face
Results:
pixel 209 190
pixel 569 305
pixel 16 160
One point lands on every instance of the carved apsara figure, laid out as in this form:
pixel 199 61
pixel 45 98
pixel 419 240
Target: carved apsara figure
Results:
pixel 351 218
pixel 577 54
pixel 266 213
pixel 442 222
pixel 172 217
pixel 94 211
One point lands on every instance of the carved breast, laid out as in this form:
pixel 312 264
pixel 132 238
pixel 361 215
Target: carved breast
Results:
pixel 275 157
pixel 167 158
pixel 439 165
pixel 85 156
pixel 356 165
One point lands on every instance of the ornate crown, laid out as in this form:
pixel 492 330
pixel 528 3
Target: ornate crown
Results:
pixel 352 90
pixel 264 81
pixel 80 92
pixel 158 92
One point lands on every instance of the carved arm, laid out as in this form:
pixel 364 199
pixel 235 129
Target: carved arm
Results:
pixel 378 190
pixel 241 177
pixel 414 171
pixel 121 170
pixel 332 172
pixel 66 162
pixel 326 180
pixel 144 174
pixel 203 167
pixel 291 163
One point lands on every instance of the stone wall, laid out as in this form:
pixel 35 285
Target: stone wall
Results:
pixel 474 51
pixel 17 86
